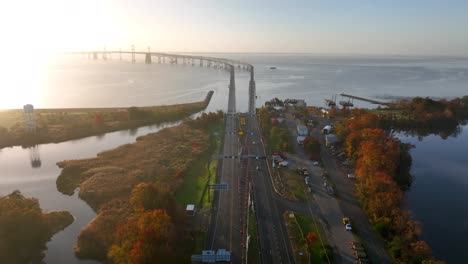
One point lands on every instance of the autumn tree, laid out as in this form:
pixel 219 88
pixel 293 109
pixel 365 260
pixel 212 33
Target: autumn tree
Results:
pixel 149 239
pixel 311 238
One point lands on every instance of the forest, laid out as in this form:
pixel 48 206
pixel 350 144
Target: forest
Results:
pixel 25 229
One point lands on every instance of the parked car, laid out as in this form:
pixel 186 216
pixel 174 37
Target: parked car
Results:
pixel 315 163
pixel 351 176
pixel 347 223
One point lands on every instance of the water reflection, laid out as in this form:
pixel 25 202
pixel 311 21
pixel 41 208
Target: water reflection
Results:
pixel 35 157
pixel 100 136
pixel 133 131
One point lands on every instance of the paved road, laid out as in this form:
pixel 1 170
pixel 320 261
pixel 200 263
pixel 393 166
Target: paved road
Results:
pixel 347 201
pixel 274 242
pixel 226 228
pixel 329 211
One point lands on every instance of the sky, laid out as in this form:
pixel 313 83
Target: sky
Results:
pixel 398 27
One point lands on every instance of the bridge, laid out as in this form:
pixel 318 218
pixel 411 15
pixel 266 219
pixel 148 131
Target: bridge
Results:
pixel 230 208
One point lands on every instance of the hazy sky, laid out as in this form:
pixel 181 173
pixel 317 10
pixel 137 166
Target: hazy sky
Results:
pixel 328 26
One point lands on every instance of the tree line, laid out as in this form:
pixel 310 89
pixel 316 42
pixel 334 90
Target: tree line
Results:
pixel 382 164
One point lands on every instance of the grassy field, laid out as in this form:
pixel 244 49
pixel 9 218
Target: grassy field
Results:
pixel 295 184
pixel 298 242
pixel 316 248
pixel 58 125
pixel 254 247
pixel 201 172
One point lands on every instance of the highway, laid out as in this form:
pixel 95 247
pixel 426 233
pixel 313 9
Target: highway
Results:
pixel 228 220
pixel 274 242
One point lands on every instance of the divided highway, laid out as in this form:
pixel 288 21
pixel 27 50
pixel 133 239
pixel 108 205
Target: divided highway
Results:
pixel 274 242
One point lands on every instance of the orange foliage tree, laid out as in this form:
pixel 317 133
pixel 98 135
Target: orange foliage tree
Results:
pixel 148 239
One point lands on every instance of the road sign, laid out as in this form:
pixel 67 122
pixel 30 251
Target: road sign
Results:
pixel 219 186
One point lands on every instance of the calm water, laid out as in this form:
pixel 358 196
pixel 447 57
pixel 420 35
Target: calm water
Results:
pixel 85 83
pixel 438 195
pixel 16 172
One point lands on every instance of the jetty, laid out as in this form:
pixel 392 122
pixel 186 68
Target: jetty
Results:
pixel 365 99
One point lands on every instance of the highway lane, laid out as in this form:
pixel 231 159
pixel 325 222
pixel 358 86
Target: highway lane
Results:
pixel 226 230
pixel 226 233
pixel 274 242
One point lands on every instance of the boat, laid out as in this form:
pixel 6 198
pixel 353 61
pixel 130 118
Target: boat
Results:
pixel 272 68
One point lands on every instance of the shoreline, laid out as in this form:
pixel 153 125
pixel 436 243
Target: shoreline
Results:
pixel 65 124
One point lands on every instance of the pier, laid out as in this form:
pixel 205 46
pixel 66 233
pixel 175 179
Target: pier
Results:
pixel 365 99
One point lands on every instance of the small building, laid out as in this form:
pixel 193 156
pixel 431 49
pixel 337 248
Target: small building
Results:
pixel 301 103
pixel 190 209
pixel 331 140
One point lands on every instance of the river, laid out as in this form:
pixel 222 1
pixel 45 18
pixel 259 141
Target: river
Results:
pixel 436 192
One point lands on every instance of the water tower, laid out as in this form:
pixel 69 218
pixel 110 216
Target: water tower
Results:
pixel 29 119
